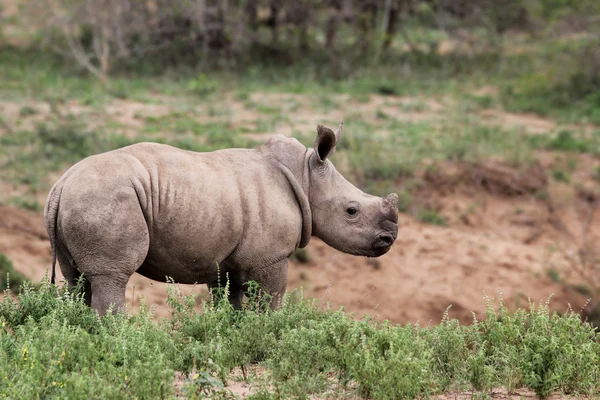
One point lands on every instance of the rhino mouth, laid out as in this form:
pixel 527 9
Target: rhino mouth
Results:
pixel 383 243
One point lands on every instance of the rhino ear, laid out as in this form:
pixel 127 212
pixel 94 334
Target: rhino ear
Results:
pixel 326 141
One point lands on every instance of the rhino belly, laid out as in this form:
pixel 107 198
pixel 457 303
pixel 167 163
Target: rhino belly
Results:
pixel 187 255
pixel 180 272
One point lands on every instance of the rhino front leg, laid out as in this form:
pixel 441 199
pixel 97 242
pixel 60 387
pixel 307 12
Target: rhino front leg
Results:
pixel 272 280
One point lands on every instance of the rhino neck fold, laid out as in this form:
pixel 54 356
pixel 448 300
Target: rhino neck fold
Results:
pixel 300 188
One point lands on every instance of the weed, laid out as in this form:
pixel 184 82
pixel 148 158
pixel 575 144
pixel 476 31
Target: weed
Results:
pixel 381 115
pixel 202 85
pixel 202 385
pixel 561 176
pixel 326 102
pixel 26 111
pixel 385 89
pixel 431 217
pixel 10 279
pixel 301 256
pixel 404 201
pixel 567 141
pixel 553 274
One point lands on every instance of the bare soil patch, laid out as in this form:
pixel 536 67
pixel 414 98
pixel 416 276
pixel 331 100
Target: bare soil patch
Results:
pixel 530 123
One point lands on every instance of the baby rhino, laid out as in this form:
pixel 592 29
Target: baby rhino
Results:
pixel 200 217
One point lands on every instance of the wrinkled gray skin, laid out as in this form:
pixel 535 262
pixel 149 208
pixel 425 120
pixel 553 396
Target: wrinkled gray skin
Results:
pixel 161 211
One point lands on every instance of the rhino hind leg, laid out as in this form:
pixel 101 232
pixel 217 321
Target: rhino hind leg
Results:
pixel 109 270
pixel 108 240
pixel 72 275
pixel 107 292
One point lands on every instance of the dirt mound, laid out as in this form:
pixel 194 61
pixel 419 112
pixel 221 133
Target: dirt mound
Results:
pixel 494 176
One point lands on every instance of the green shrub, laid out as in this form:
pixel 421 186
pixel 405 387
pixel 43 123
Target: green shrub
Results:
pixel 52 345
pixel 431 217
pixel 566 141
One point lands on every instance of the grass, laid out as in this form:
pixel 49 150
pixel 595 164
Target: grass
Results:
pixel 52 345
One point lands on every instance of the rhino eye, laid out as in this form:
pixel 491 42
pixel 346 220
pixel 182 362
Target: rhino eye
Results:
pixel 351 211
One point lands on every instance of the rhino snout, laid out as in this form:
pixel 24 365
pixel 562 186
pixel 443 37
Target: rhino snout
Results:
pixel 384 240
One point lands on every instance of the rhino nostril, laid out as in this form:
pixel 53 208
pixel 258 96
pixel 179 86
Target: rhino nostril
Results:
pixel 383 242
pixel 387 239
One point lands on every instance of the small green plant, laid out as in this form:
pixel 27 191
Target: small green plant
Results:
pixel 301 256
pixel 202 85
pixel 431 217
pixel 10 279
pixel 405 201
pixel 567 141
pixel 561 176
pixel 27 111
pixel 583 289
pixel 381 115
pixel 553 274
pixel 202 385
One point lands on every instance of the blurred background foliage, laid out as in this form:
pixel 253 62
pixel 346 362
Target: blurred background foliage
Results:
pixel 332 39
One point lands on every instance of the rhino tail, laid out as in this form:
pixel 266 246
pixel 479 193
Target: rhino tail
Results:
pixel 50 217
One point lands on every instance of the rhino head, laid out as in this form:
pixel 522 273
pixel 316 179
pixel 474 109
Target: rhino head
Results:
pixel 343 216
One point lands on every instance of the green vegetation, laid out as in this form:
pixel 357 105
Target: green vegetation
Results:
pixel 431 217
pixel 553 274
pixel 301 256
pixel 26 203
pixel 561 176
pixel 52 345
pixel 12 280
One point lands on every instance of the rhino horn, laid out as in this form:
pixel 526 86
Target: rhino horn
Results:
pixel 392 200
